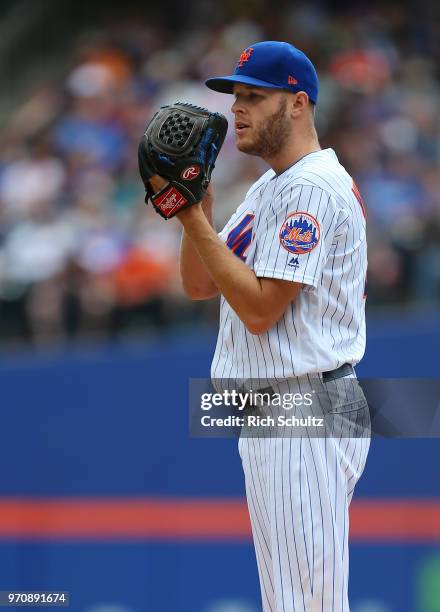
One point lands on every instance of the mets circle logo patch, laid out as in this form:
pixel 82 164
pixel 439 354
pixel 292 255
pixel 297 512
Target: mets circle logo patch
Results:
pixel 300 233
pixel 190 173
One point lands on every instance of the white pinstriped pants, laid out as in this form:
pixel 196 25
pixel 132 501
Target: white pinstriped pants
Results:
pixel 298 491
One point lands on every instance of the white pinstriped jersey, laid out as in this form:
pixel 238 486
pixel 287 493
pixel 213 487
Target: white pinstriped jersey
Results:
pixel 306 225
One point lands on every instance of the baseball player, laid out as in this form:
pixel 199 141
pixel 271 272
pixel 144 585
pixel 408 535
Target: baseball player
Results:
pixel 290 267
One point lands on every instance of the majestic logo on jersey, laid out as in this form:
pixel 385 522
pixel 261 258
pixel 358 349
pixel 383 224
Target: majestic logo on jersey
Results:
pixel 294 263
pixel 244 57
pixel 300 233
pixel 240 237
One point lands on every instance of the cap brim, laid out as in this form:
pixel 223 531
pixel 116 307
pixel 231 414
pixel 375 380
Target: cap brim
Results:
pixel 225 84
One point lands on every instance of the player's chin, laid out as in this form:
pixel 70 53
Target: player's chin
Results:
pixel 243 144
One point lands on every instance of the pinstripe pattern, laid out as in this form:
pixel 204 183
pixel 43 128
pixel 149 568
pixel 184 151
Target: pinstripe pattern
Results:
pixel 299 487
pixel 325 326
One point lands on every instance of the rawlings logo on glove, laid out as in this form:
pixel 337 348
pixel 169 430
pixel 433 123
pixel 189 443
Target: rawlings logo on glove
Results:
pixel 180 144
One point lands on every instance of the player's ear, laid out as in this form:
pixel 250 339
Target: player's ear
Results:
pixel 299 103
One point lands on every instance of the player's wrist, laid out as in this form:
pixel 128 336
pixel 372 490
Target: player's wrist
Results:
pixel 207 205
pixel 191 214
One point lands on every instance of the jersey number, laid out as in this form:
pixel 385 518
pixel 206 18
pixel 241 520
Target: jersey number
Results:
pixel 240 238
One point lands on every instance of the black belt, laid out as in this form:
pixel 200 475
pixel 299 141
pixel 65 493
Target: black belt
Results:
pixel 344 370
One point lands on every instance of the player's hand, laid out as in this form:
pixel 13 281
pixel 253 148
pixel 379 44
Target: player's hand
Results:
pixel 203 207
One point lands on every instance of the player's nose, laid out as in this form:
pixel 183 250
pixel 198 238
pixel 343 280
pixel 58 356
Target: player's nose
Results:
pixel 237 107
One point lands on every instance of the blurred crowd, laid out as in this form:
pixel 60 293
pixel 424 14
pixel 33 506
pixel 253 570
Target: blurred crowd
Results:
pixel 80 253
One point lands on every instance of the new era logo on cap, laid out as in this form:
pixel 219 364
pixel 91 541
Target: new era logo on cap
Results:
pixel 274 64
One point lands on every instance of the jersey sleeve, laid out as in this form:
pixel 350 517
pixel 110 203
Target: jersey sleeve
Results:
pixel 295 236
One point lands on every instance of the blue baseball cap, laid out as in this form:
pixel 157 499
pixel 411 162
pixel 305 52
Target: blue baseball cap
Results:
pixel 274 64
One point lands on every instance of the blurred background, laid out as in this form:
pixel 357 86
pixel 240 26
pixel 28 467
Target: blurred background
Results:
pixel 102 492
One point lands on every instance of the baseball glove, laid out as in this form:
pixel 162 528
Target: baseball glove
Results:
pixel 180 144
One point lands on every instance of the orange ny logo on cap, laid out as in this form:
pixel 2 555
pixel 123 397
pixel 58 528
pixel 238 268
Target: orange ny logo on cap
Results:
pixel 244 57
pixel 292 81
